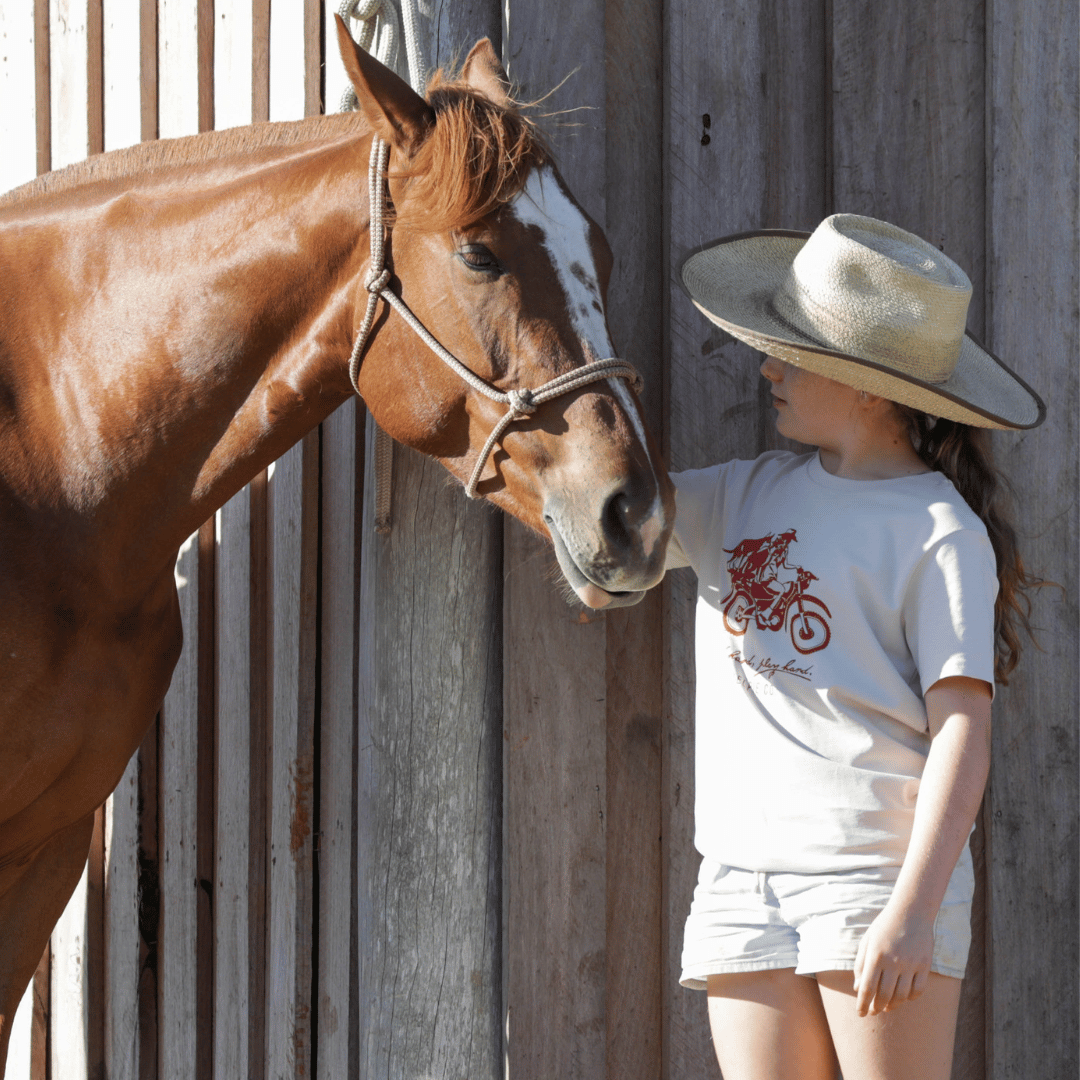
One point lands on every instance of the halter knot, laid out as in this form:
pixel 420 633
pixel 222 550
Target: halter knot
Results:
pixel 375 283
pixel 360 10
pixel 521 402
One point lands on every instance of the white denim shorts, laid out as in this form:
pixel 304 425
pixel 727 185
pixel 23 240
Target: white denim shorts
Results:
pixel 744 920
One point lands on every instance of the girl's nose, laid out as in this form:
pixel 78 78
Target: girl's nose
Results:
pixel 772 369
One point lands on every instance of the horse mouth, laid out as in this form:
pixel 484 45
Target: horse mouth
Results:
pixel 586 590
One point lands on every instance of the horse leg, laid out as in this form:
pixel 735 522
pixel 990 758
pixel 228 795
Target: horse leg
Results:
pixel 29 910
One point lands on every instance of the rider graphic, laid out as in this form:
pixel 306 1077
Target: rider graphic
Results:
pixel 766 586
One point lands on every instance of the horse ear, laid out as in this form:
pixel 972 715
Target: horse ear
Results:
pixel 483 72
pixel 398 114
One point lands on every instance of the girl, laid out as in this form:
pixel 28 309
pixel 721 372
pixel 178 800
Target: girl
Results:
pixel 855 606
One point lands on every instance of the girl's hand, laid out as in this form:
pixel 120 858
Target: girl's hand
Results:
pixel 893 961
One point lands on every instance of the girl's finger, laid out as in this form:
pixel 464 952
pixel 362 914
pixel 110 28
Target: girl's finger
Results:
pixel 860 954
pixel 886 990
pixel 903 989
pixel 866 989
pixel 918 984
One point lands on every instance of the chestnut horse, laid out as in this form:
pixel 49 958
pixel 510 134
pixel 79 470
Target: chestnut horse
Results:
pixel 175 316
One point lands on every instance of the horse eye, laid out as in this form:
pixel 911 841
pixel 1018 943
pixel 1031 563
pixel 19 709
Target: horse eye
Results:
pixel 478 257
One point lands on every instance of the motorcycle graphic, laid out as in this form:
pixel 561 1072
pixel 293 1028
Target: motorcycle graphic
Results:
pixel 758 593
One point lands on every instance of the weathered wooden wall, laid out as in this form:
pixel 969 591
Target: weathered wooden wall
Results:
pixel 404 812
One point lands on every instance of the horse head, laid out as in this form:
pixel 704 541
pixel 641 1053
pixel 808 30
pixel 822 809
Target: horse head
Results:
pixel 498 261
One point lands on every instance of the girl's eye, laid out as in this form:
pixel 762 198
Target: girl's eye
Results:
pixel 478 257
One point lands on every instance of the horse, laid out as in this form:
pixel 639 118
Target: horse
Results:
pixel 176 315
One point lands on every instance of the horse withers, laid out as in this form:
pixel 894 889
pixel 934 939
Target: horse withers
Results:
pixel 176 315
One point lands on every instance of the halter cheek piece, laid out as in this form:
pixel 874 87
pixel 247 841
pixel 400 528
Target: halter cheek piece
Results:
pixel 522 402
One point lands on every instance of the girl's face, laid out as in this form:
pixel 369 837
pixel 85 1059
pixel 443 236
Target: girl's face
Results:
pixel 810 408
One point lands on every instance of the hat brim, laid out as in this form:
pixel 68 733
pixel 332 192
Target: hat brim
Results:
pixel 733 282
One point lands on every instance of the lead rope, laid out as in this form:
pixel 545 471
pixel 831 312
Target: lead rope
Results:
pixel 379 36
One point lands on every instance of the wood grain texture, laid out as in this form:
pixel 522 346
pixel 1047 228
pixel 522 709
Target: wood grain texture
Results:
pixel 292 498
pixel 178 805
pixel 633 196
pixel 428 794
pixel 555 712
pixel 337 1010
pixel 233 788
pixel 1032 322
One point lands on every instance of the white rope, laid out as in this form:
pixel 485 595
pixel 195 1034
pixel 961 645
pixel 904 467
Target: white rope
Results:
pixel 522 403
pixel 379 28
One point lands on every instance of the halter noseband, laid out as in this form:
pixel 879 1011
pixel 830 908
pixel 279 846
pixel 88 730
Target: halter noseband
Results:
pixel 522 402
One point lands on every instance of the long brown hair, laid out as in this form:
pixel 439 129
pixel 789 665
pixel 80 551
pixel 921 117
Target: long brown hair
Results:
pixel 963 453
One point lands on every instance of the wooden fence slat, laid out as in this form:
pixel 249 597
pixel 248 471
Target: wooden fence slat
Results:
pixel 122 73
pixel 1032 322
pixel 634 979
pixel 121 930
pixel 67 67
pixel 19 1048
pixel 555 664
pixel 428 750
pixel 178 808
pixel 18 114
pixel 68 1056
pixel 337 672
pixel 233 788
pixel 178 68
pixel 292 495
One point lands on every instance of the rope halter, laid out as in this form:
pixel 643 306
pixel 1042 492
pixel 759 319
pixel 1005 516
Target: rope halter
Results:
pixel 522 402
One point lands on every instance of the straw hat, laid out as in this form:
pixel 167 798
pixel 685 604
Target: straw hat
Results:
pixel 867 304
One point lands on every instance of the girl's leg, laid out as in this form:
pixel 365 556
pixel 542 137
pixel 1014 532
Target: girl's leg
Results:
pixel 912 1041
pixel 770 1025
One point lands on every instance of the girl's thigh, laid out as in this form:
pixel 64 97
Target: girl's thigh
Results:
pixel 770 1025
pixel 912 1041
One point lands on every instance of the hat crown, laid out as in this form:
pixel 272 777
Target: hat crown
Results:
pixel 867 288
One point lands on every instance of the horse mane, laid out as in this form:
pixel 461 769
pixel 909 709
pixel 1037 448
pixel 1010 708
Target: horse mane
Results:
pixel 159 154
pixel 475 160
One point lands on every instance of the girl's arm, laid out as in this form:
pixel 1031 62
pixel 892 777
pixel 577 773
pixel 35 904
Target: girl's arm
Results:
pixel 894 955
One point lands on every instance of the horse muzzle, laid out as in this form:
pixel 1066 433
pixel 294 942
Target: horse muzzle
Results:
pixel 610 558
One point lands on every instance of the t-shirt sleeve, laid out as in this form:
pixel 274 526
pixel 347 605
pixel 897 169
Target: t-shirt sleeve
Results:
pixel 697 494
pixel 949 609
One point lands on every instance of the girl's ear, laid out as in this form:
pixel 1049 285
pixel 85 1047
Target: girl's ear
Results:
pixel 396 113
pixel 483 72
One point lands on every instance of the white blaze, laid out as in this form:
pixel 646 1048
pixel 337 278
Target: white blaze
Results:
pixel 545 205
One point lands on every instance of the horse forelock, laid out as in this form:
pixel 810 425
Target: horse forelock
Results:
pixel 476 159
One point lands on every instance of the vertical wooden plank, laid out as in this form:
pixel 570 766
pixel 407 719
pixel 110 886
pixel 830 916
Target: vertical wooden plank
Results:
pixel 292 502
pixel 39 1024
pixel 178 67
pixel 69 1045
pixel 122 73
pixel 428 758
pixel 337 1013
pixel 746 145
pixel 555 770
pixel 67 67
pixel 95 77
pixel 1032 317
pixel 635 982
pixel 178 808
pixel 149 901
pixel 42 85
pixel 18 115
pixel 21 1040
pixel 428 802
pixel 148 69
pixel 232 788
pixel 122 927
pixel 912 152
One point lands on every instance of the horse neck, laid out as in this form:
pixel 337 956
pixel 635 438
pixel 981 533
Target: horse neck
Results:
pixel 206 319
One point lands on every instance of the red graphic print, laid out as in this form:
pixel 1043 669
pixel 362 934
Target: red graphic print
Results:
pixel 765 588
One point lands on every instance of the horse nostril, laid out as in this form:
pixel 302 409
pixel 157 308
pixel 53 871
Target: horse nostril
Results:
pixel 617 525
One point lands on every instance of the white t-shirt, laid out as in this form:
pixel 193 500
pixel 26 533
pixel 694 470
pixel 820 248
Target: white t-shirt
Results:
pixel 826 608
